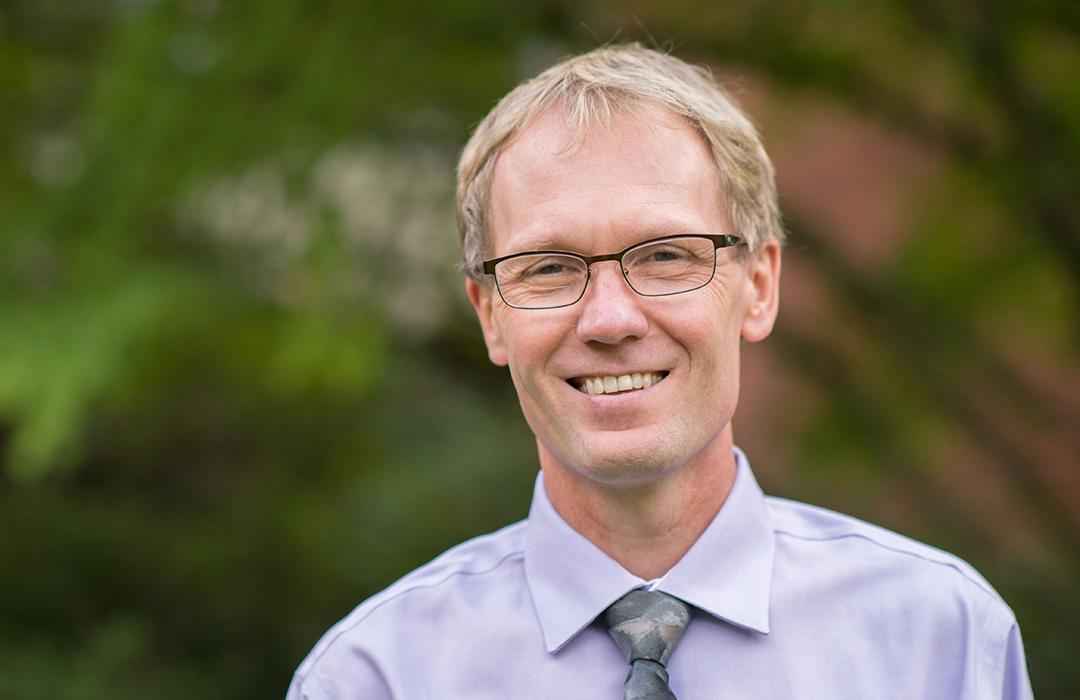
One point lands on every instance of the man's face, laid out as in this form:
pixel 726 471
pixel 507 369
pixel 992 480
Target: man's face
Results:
pixel 646 176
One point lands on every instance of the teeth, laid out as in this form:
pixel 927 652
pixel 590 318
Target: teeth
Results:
pixel 624 382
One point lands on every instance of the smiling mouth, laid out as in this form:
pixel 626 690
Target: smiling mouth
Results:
pixel 617 384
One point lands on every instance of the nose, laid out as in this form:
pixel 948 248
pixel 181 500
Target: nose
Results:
pixel 610 310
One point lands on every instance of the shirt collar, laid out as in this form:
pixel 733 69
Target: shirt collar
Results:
pixel 727 572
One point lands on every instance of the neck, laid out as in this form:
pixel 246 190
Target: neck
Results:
pixel 645 527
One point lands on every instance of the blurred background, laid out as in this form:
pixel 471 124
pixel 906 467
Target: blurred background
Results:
pixel 240 388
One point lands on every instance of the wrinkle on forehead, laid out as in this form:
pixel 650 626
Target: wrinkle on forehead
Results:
pixel 554 232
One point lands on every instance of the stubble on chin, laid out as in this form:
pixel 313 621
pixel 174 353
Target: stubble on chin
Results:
pixel 606 463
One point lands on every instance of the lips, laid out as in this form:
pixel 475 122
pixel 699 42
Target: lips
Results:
pixel 617 383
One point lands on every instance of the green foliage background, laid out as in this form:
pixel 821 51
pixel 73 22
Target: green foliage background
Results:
pixel 240 390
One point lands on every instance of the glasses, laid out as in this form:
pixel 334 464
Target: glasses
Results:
pixel 654 268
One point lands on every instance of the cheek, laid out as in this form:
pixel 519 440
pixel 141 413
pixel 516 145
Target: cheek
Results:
pixel 712 343
pixel 718 357
pixel 530 343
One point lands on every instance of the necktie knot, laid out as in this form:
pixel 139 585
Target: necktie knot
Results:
pixel 646 626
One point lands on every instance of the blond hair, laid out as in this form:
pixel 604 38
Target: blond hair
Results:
pixel 592 88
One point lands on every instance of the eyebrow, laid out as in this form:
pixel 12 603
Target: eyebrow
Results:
pixel 559 240
pixel 547 241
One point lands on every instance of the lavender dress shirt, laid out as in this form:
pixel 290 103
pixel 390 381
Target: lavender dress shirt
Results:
pixel 789 601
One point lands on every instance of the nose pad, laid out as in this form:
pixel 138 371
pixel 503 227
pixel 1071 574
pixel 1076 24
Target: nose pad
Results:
pixel 611 310
pixel 612 278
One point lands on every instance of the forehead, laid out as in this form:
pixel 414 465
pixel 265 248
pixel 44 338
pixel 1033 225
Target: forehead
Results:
pixel 646 173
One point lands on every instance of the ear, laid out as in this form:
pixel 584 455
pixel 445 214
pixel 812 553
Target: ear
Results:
pixel 482 298
pixel 763 278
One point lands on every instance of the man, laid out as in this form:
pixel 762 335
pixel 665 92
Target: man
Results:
pixel 621 238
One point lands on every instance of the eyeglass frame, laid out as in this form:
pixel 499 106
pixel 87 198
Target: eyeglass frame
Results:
pixel 719 240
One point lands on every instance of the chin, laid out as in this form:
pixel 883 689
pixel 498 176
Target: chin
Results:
pixel 622 465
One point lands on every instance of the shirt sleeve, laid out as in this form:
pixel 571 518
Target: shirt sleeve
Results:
pixel 1012 668
pixel 358 680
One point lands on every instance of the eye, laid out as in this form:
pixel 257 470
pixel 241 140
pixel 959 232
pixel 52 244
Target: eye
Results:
pixel 548 268
pixel 667 255
pixel 551 268
pixel 670 258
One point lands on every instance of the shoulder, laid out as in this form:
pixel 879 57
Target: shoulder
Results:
pixel 471 561
pixel 904 602
pixel 464 577
pixel 842 550
pixel 812 524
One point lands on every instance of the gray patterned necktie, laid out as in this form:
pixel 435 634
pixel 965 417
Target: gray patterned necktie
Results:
pixel 647 625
